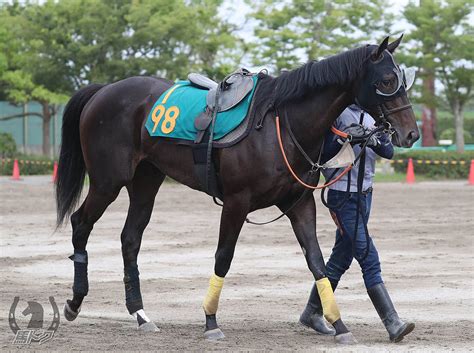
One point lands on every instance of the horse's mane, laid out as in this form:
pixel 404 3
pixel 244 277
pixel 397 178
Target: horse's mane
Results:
pixel 338 69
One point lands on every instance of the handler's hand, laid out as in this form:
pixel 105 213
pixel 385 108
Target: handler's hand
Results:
pixel 356 130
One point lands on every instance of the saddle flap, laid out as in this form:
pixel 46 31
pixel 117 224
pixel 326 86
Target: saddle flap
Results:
pixel 202 121
pixel 202 81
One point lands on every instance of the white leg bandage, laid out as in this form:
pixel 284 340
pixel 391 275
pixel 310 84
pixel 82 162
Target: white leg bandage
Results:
pixel 142 315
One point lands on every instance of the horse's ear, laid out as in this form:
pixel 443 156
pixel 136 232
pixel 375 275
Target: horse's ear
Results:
pixel 392 46
pixel 377 52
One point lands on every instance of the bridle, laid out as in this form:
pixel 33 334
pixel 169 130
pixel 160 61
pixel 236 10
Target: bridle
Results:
pixel 382 124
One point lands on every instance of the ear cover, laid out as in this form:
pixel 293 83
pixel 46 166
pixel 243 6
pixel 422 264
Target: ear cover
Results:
pixel 392 46
pixel 380 50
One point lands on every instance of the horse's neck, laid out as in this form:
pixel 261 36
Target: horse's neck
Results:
pixel 311 118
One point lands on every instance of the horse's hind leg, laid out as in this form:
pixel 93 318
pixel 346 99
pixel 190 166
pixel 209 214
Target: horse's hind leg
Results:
pixel 142 191
pixel 82 221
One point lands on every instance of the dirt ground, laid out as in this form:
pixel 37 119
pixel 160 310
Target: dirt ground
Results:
pixel 424 233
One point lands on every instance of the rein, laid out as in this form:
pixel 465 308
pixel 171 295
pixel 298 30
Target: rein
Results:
pixel 313 165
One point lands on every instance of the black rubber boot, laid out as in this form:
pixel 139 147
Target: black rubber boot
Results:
pixel 397 329
pixel 312 315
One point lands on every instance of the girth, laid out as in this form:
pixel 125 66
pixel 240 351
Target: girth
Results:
pixel 221 97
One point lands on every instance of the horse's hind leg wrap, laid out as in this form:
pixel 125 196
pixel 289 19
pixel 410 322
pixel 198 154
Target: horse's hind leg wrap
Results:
pixel 133 296
pixel 211 301
pixel 81 282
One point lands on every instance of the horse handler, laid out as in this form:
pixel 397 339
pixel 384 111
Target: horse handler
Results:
pixel 350 242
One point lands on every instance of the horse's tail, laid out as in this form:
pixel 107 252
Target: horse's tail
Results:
pixel 71 167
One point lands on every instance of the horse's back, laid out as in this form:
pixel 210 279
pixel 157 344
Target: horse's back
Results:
pixel 111 123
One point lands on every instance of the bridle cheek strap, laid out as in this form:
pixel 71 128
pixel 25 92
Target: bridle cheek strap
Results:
pixel 313 187
pixel 386 112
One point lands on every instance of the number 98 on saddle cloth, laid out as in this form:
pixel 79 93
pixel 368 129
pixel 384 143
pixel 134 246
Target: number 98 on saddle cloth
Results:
pixel 174 113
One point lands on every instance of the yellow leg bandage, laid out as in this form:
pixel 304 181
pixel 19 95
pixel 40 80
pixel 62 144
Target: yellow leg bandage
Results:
pixel 211 301
pixel 328 301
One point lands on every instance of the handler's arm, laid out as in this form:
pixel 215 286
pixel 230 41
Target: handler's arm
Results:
pixel 384 148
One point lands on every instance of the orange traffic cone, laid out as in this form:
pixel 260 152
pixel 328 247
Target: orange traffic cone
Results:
pixel 55 172
pixel 470 180
pixel 410 172
pixel 16 170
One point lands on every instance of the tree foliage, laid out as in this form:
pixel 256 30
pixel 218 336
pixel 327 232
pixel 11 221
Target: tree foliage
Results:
pixel 289 31
pixel 50 49
pixel 441 45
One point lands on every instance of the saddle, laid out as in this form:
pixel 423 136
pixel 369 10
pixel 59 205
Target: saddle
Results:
pixel 220 97
pixel 230 92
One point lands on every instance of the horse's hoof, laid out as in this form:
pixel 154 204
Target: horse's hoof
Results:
pixel 148 327
pixel 214 335
pixel 345 338
pixel 70 314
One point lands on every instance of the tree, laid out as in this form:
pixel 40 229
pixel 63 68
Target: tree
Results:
pixel 172 38
pixel 55 47
pixel 20 75
pixel 289 32
pixel 456 67
pixel 441 46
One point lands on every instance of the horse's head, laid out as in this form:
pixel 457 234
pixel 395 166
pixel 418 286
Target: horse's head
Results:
pixel 382 92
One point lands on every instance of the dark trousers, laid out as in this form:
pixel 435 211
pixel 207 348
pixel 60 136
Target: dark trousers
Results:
pixel 343 250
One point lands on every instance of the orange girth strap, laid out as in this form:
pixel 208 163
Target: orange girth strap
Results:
pixel 314 187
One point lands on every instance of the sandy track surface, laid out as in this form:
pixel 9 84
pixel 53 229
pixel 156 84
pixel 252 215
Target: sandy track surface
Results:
pixel 424 234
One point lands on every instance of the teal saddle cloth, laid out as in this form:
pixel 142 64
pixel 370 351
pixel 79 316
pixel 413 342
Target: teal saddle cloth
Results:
pixel 174 112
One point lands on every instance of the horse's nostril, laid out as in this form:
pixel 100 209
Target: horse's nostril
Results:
pixel 412 136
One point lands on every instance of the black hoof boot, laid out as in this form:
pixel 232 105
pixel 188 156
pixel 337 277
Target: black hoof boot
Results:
pixel 69 313
pixel 396 328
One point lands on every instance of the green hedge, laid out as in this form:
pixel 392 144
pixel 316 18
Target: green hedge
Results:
pixel 445 129
pixel 432 163
pixel 29 165
pixel 7 145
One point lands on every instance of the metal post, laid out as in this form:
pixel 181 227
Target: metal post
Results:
pixel 25 127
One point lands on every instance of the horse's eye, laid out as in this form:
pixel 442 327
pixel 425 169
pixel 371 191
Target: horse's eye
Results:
pixel 386 83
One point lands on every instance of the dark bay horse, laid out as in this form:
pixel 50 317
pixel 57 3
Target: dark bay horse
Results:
pixel 104 135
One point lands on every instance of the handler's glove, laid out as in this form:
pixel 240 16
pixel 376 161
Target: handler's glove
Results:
pixel 373 141
pixel 355 130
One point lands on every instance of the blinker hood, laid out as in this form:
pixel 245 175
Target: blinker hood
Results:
pixel 371 96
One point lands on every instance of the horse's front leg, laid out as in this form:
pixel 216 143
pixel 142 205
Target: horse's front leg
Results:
pixel 303 221
pixel 232 218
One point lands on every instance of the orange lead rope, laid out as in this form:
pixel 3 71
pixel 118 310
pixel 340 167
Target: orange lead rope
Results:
pixel 280 142
pixel 339 132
